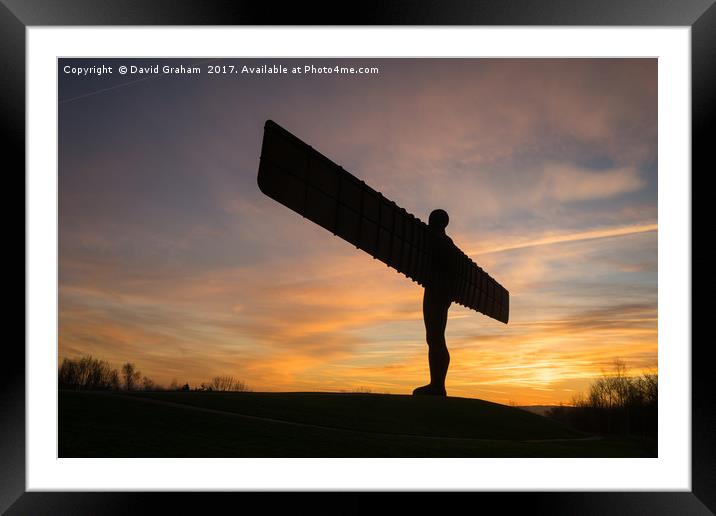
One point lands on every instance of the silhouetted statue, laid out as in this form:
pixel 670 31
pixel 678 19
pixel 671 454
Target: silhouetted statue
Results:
pixel 302 179
pixel 437 298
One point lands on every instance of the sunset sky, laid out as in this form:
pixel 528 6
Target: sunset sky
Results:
pixel 170 257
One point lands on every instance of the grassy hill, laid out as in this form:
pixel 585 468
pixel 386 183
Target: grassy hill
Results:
pixel 212 424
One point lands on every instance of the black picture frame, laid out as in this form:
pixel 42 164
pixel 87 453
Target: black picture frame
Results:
pixel 17 15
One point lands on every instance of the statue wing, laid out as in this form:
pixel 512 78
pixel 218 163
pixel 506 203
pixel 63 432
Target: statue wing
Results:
pixel 302 179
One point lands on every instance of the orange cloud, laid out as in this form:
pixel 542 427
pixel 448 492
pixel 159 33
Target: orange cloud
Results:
pixel 327 333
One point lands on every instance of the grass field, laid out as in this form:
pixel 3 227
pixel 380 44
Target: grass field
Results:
pixel 212 424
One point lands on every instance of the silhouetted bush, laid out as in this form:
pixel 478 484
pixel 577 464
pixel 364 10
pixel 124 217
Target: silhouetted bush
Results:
pixel 615 404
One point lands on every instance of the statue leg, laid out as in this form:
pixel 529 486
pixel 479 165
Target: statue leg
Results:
pixel 435 311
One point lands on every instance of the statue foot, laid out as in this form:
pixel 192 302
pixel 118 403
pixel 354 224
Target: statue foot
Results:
pixel 429 390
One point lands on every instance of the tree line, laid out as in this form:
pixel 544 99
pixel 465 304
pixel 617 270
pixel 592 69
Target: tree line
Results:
pixel 616 403
pixel 89 373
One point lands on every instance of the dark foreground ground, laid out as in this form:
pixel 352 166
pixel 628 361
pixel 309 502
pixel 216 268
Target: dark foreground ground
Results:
pixel 210 424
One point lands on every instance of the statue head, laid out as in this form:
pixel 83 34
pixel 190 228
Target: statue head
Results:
pixel 438 219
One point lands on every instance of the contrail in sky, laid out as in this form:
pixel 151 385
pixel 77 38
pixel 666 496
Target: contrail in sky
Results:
pixel 572 237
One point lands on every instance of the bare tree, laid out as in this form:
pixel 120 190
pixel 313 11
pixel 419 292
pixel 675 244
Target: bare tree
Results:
pixel 68 374
pixel 222 383
pixel 86 373
pixel 225 383
pixel 114 380
pixel 612 390
pixel 131 376
pixel 240 386
pixel 148 384
pixel 616 403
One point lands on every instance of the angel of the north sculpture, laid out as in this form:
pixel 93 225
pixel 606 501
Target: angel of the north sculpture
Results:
pixel 302 179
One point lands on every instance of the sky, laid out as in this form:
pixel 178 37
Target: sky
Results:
pixel 171 258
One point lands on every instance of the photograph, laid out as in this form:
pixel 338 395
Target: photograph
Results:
pixel 313 257
pixel 357 257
